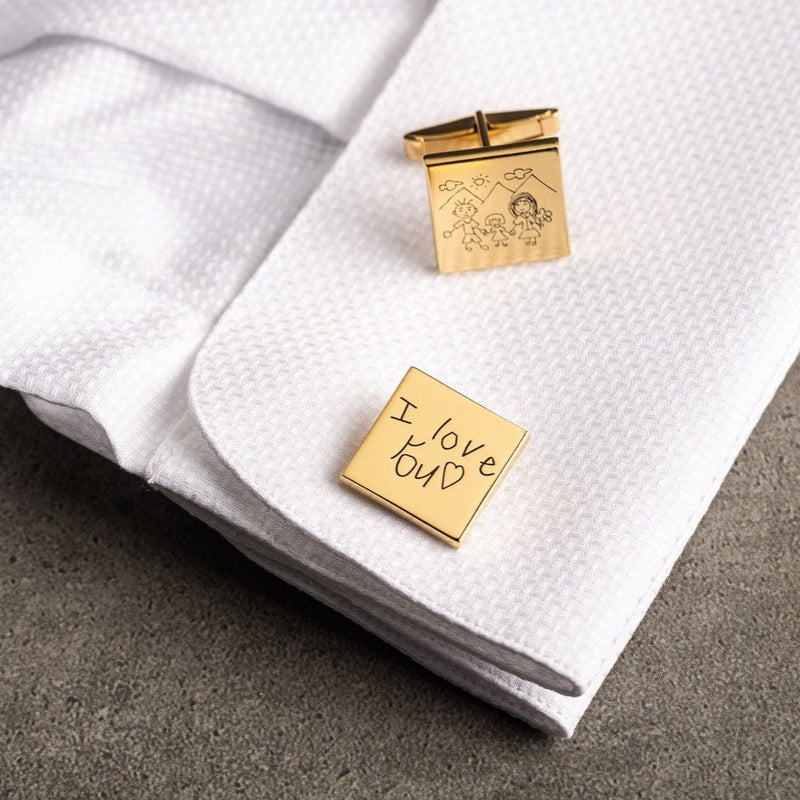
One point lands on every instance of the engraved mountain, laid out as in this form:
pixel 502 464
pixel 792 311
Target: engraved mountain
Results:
pixel 537 187
pixel 461 196
pixel 496 200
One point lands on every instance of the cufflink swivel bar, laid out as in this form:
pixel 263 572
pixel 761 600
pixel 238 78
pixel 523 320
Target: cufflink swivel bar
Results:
pixel 482 130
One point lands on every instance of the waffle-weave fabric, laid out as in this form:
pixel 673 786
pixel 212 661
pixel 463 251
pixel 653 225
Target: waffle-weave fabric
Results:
pixel 139 199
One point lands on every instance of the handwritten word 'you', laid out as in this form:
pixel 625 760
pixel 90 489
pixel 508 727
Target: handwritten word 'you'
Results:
pixel 408 461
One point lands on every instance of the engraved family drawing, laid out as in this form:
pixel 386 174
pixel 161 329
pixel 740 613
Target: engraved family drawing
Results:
pixel 486 220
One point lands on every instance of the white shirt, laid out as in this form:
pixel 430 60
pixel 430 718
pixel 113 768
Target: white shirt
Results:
pixel 217 265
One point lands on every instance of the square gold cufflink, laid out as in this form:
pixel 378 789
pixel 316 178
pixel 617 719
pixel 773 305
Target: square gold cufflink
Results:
pixel 435 457
pixel 495 188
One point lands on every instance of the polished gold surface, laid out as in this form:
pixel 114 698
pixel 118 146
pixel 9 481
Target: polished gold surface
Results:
pixel 434 456
pixel 495 187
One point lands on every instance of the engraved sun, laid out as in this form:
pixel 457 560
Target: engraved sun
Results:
pixel 479 180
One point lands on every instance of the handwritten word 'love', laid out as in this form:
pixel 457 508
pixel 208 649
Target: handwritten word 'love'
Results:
pixel 408 461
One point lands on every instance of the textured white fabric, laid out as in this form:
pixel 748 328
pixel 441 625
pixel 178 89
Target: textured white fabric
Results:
pixel 135 203
pixel 322 60
pixel 188 470
pixel 136 200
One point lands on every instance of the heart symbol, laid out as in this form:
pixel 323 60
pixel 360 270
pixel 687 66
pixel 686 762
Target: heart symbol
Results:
pixel 445 484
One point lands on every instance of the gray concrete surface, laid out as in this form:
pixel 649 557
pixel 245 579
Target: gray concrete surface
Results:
pixel 142 657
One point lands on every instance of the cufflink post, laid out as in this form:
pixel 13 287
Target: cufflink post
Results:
pixel 483 128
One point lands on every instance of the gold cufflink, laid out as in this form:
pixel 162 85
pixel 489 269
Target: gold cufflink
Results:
pixel 435 457
pixel 495 188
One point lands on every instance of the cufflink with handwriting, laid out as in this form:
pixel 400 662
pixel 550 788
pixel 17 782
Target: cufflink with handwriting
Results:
pixel 435 457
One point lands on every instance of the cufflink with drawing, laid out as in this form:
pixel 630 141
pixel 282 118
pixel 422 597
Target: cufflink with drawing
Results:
pixel 495 187
pixel 435 457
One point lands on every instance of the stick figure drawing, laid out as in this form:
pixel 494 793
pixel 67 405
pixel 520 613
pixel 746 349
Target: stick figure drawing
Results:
pixel 466 211
pixel 528 219
pixel 496 229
